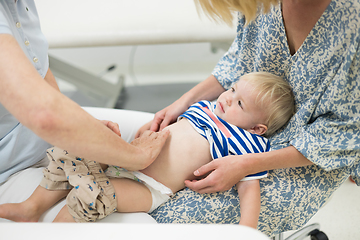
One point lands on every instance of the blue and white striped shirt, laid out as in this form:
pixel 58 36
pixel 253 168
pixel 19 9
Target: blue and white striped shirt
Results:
pixel 224 138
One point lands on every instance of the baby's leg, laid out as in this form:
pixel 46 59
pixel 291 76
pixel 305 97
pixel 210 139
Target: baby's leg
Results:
pixel 132 196
pixel 64 216
pixel 31 209
pixel 53 187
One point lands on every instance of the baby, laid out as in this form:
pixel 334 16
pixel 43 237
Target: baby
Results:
pixel 257 105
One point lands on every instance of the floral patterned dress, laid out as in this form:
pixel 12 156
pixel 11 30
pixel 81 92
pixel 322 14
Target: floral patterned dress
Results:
pixel 325 76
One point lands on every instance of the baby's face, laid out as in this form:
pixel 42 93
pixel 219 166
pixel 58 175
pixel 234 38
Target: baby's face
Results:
pixel 238 106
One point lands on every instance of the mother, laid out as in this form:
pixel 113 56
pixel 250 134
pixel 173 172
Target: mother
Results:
pixel 314 45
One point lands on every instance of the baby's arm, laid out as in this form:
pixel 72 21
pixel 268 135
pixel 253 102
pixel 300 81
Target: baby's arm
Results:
pixel 249 195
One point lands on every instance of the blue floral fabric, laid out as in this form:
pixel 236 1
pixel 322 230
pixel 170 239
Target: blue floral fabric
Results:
pixel 324 74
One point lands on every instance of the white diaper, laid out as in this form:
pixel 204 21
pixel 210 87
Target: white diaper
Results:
pixel 159 192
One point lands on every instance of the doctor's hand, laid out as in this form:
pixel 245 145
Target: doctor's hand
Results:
pixel 150 145
pixel 223 174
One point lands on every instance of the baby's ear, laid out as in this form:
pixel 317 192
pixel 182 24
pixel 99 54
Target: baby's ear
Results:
pixel 259 129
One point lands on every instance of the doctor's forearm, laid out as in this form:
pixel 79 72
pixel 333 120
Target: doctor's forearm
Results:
pixel 63 123
pixel 39 105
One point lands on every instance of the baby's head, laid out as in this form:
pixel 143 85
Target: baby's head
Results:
pixel 259 102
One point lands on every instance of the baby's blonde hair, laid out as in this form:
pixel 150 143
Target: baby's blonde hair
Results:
pixel 223 9
pixel 274 95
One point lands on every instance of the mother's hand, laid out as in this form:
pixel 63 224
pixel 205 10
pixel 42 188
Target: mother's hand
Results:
pixel 163 118
pixel 168 115
pixel 223 174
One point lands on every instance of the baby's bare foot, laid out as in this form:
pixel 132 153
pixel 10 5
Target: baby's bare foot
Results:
pixel 17 212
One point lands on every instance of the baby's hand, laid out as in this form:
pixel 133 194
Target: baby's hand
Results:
pixel 112 126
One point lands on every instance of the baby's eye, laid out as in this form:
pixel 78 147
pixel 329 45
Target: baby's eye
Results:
pixel 232 89
pixel 239 102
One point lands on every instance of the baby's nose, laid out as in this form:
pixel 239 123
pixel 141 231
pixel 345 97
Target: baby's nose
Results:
pixel 228 100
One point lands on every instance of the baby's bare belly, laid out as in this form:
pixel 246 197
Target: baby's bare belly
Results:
pixel 184 151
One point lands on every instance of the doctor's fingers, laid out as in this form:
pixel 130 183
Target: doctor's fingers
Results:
pixel 150 135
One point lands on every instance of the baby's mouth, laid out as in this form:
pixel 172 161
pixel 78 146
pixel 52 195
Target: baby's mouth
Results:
pixel 221 107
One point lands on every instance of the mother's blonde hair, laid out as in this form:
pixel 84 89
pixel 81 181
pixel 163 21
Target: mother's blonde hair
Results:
pixel 223 9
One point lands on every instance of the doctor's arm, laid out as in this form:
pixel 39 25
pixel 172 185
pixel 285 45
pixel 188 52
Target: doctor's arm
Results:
pixel 60 121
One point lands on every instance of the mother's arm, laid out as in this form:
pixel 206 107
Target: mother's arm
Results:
pixel 227 171
pixel 209 89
